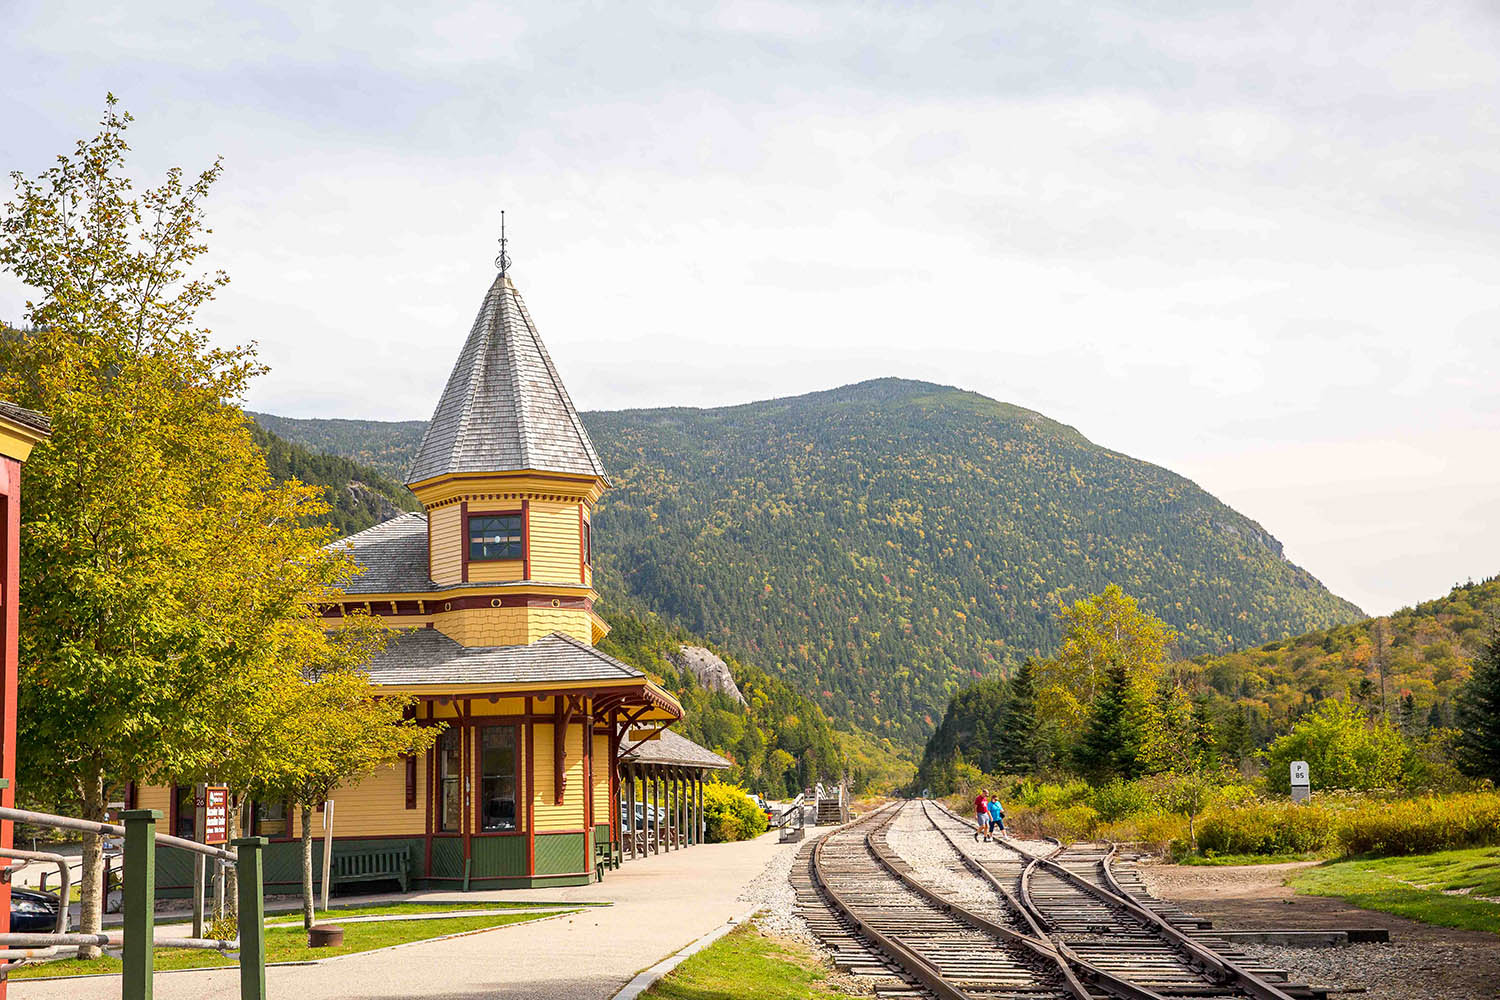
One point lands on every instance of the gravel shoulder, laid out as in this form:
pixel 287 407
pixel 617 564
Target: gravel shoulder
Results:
pixel 1421 960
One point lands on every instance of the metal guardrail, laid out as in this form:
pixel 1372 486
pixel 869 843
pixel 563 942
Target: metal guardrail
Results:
pixel 797 810
pixel 138 940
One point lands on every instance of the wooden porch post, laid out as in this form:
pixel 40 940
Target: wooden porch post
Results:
pixel 655 805
pixel 682 814
pixel 628 776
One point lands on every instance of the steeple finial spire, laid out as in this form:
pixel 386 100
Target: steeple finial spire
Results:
pixel 502 261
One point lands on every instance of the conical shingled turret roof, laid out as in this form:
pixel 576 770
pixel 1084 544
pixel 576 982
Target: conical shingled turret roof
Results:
pixel 505 408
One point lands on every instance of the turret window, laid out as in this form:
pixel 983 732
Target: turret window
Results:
pixel 496 536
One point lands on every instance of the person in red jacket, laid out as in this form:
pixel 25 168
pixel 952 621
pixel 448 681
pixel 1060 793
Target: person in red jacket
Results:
pixel 981 815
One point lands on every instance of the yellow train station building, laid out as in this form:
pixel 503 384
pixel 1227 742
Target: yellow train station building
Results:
pixel 491 590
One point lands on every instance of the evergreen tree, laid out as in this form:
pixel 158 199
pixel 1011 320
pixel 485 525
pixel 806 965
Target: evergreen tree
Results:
pixel 1232 738
pixel 1478 716
pixel 1020 741
pixel 1406 716
pixel 1109 746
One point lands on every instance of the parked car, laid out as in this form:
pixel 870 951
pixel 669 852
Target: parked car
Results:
pixel 640 816
pixel 32 912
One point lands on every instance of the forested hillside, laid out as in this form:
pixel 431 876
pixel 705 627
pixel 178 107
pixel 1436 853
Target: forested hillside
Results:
pixel 779 741
pixel 1413 661
pixel 1406 669
pixel 358 496
pixel 386 446
pixel 882 544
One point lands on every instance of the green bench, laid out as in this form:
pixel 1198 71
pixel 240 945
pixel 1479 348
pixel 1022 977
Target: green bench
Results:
pixel 373 866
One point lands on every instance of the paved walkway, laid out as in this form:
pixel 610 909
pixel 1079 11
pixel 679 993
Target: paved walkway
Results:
pixel 661 904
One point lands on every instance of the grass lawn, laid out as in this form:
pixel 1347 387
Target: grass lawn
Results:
pixel 746 965
pixel 289 944
pixel 1413 886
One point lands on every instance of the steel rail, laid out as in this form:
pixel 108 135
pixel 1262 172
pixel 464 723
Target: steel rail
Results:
pixel 1242 977
pixel 1225 970
pixel 1038 946
pixel 914 964
pixel 1057 950
pixel 89 826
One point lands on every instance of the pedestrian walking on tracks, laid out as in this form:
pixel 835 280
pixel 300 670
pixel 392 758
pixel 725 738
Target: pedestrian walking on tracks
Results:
pixel 997 818
pixel 981 815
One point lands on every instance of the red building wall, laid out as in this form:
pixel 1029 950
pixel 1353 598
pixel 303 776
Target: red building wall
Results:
pixel 10 535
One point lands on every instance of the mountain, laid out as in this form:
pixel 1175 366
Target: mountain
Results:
pixel 779 740
pixel 358 496
pixel 385 446
pixel 882 544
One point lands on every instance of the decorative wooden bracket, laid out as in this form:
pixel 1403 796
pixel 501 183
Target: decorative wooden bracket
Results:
pixel 561 716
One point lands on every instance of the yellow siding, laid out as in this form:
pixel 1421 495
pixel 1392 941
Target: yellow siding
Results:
pixel 554 541
pixel 446 555
pixel 156 797
pixel 485 626
pixel 374 807
pixel 505 706
pixel 601 779
pixel 543 706
pixel 569 815
pixel 569 621
pixel 499 571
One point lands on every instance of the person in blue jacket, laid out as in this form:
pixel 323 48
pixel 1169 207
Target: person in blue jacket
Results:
pixel 997 818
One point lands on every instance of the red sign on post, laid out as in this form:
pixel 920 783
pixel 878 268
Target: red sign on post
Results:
pixel 216 815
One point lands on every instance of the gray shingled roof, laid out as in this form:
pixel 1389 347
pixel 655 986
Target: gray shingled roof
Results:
pixel 29 418
pixel 670 748
pixel 394 555
pixel 504 408
pixel 427 656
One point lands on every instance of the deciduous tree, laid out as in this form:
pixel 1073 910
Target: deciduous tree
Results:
pixel 111 639
pixel 1101 631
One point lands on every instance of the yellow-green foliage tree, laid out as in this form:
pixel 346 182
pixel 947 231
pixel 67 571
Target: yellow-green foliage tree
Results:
pixel 164 570
pixel 334 729
pixel 1344 749
pixel 1107 628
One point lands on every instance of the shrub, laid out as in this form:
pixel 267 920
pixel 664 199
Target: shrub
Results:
pixel 730 814
pixel 1343 749
pixel 1156 830
pixel 1417 826
pixel 1266 828
pixel 1119 799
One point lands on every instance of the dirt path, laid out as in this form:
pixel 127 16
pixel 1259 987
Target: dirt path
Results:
pixel 1421 961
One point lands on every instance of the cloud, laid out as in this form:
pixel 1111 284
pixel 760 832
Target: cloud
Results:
pixel 1206 235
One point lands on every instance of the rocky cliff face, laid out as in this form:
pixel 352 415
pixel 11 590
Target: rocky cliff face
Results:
pixel 708 670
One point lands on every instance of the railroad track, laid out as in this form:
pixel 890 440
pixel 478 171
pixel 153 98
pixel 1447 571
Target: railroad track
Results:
pixel 1089 910
pixel 1063 926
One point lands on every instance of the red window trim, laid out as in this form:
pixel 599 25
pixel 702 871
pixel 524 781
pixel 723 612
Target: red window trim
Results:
pixel 525 534
pixel 411 781
pixel 478 741
pixel 437 782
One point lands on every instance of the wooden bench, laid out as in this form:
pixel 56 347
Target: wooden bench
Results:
pixel 373 866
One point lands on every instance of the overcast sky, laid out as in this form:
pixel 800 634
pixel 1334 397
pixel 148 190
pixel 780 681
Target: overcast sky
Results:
pixel 1257 244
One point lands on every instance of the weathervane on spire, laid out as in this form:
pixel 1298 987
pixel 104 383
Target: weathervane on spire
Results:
pixel 502 261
